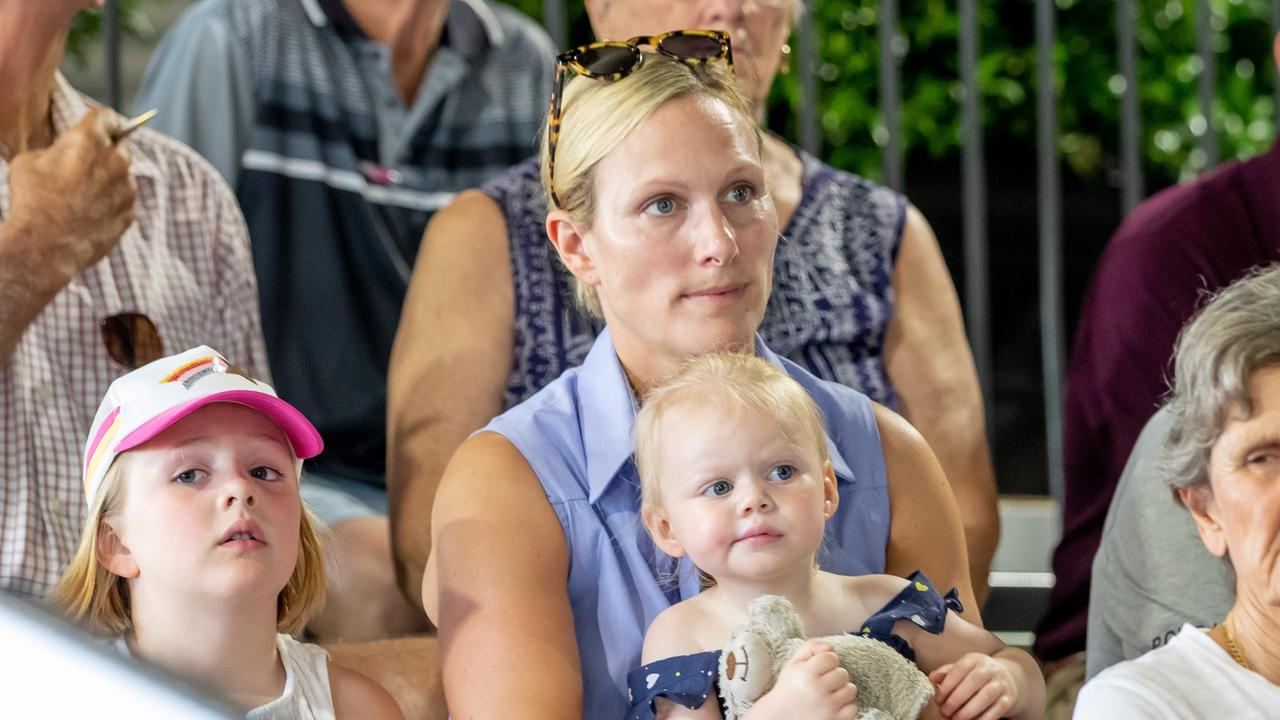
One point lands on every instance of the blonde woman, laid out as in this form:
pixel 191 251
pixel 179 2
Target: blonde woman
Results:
pixel 542 579
pixel 198 553
pixel 860 296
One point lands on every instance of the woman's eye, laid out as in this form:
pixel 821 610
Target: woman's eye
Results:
pixel 189 477
pixel 782 472
pixel 661 206
pixel 265 473
pixel 718 488
pixel 740 194
pixel 1261 458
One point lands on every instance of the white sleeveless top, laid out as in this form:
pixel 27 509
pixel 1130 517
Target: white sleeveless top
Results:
pixel 306 683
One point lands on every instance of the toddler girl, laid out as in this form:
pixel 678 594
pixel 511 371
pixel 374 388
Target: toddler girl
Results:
pixel 197 550
pixel 735 474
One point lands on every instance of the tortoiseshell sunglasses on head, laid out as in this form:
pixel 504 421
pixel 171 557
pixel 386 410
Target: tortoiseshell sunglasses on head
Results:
pixel 611 60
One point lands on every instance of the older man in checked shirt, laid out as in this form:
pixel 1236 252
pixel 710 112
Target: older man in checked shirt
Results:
pixel 91 228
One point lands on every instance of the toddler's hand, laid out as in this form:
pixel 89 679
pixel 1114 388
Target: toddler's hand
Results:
pixel 975 687
pixel 811 685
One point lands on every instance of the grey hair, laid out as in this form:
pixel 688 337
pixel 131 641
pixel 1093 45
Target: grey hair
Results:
pixel 1236 334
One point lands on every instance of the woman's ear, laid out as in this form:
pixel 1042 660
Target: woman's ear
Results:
pixel 1199 502
pixel 660 530
pixel 567 237
pixel 112 552
pixel 830 491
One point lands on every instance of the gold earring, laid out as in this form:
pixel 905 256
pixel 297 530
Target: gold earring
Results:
pixel 784 67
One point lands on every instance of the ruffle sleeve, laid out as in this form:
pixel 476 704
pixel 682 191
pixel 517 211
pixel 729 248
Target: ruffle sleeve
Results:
pixel 918 602
pixel 687 679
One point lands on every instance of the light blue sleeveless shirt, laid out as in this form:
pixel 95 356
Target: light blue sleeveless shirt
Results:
pixel 576 435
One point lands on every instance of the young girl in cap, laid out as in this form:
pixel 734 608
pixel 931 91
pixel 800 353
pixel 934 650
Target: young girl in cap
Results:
pixel 198 551
pixel 735 474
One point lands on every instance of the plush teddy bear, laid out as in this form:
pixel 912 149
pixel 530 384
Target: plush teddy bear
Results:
pixel 890 687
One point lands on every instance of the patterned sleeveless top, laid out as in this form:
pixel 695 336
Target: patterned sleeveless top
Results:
pixel 831 299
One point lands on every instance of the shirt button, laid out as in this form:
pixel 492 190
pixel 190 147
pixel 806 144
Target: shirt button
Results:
pixel 57 505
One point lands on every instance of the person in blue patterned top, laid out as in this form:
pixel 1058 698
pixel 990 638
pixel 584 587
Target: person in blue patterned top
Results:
pixel 735 475
pixel 542 579
pixel 860 296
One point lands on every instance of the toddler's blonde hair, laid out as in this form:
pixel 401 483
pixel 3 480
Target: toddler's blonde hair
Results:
pixel 732 381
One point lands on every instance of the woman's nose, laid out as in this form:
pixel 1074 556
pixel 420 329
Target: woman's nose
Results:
pixel 722 14
pixel 717 239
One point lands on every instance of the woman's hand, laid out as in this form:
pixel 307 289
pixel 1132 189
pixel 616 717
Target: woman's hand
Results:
pixel 811 685
pixel 975 687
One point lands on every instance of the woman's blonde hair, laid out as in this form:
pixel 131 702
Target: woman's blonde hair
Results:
pixel 734 381
pixel 89 593
pixel 596 116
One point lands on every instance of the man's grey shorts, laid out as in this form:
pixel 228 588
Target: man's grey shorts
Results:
pixel 334 500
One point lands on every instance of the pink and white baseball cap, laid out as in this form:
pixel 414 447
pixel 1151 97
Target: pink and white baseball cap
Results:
pixel 143 403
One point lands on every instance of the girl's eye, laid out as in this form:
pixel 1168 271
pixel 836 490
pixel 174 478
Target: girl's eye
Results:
pixel 189 477
pixel 719 488
pixel 740 194
pixel 661 206
pixel 782 472
pixel 265 473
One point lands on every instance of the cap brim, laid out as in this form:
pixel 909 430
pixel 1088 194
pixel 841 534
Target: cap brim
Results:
pixel 302 435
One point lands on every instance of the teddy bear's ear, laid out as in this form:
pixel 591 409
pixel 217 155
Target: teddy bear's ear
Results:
pixel 773 616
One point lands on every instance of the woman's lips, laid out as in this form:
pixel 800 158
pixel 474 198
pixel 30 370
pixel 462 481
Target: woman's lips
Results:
pixel 720 293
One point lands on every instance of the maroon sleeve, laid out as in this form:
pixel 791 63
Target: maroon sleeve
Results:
pixel 1159 267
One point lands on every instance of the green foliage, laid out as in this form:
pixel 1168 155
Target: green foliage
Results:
pixel 87 27
pixel 1087 70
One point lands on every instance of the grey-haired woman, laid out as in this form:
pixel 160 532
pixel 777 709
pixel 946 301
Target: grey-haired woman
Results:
pixel 1223 462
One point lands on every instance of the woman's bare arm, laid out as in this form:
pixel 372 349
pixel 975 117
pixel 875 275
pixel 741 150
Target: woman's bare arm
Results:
pixel 925 531
pixel 496 586
pixel 449 366
pixel 928 359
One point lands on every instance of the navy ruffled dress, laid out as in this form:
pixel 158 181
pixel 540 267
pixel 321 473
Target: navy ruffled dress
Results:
pixel 690 679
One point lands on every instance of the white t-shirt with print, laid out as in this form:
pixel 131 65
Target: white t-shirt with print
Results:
pixel 1191 677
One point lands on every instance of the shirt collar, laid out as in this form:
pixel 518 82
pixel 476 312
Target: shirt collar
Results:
pixel 608 411
pixel 68 106
pixel 609 408
pixel 471 28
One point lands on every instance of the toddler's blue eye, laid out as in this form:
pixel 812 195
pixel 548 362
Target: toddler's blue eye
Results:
pixel 719 487
pixel 265 473
pixel 782 472
pixel 188 477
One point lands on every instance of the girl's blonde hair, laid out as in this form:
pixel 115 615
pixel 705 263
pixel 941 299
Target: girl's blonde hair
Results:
pixel 734 380
pixel 596 116
pixel 87 592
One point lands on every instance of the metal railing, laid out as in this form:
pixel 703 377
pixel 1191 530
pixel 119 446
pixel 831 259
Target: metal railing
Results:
pixel 973 181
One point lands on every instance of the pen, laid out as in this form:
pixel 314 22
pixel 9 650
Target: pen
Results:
pixel 125 130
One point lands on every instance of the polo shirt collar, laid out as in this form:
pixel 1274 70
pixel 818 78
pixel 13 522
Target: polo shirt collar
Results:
pixel 471 28
pixel 609 408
